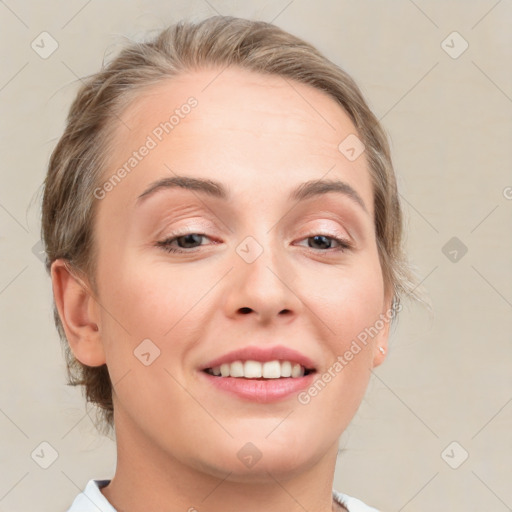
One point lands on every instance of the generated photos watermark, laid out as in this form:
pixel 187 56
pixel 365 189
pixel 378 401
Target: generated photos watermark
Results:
pixel 156 136
pixel 343 360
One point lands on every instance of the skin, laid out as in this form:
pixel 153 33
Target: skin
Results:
pixel 177 436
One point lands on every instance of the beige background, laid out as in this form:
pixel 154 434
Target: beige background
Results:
pixel 448 375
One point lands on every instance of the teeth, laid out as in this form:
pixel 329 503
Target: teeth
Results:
pixel 286 369
pixel 236 369
pixel 272 370
pixel 252 370
pixel 255 370
pixel 297 370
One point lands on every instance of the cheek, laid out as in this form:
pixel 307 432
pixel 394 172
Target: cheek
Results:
pixel 147 329
pixel 348 299
pixel 348 303
pixel 151 300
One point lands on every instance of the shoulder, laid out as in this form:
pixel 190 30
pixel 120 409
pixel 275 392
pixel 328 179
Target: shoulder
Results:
pixel 92 499
pixel 352 504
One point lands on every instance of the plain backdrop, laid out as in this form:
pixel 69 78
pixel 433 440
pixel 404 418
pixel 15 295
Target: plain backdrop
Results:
pixel 435 429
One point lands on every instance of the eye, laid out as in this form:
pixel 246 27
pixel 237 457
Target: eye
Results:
pixel 187 242
pixel 183 242
pixel 324 243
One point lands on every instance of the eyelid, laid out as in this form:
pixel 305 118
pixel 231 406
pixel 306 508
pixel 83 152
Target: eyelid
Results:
pixel 330 229
pixel 192 226
pixel 312 232
pixel 325 217
pixel 318 223
pixel 326 231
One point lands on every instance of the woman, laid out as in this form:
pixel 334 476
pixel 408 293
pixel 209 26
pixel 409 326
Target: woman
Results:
pixel 223 233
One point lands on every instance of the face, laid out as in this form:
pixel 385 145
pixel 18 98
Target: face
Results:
pixel 236 265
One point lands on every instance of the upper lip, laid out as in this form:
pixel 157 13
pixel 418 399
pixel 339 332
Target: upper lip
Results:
pixel 262 354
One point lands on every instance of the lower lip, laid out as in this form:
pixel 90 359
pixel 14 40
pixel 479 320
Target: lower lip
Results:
pixel 262 391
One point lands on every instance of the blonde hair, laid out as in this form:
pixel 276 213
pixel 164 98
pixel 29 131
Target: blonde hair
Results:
pixel 79 160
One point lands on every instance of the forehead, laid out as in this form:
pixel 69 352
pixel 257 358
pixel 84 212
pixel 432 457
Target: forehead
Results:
pixel 244 128
pixel 243 100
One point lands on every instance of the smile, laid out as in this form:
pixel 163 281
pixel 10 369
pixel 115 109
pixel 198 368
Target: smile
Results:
pixel 257 370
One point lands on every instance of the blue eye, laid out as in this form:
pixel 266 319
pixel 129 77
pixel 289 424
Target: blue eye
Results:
pixel 186 241
pixel 189 242
pixel 325 242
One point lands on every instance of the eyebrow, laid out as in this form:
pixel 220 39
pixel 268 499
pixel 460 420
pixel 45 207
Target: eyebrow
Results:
pixel 216 189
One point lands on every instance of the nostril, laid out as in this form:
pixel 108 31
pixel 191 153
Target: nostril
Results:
pixel 245 310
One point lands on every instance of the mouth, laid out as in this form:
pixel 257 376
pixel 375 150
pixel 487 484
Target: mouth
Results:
pixel 256 370
pixel 260 374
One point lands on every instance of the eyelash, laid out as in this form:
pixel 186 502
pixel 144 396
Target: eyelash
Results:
pixel 344 245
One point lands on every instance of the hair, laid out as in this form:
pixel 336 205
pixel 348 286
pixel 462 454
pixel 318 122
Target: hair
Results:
pixel 79 160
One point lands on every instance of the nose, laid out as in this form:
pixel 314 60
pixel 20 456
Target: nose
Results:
pixel 263 287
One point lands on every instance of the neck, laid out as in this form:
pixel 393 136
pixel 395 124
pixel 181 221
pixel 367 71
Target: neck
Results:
pixel 149 478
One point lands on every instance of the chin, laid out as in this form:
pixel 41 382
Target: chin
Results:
pixel 260 463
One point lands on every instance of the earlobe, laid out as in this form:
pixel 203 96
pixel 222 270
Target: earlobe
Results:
pixel 78 313
pixel 380 351
pixel 380 348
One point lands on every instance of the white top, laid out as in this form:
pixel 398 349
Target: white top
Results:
pixel 92 500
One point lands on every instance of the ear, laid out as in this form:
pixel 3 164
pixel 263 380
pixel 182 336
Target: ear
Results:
pixel 380 345
pixel 79 314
